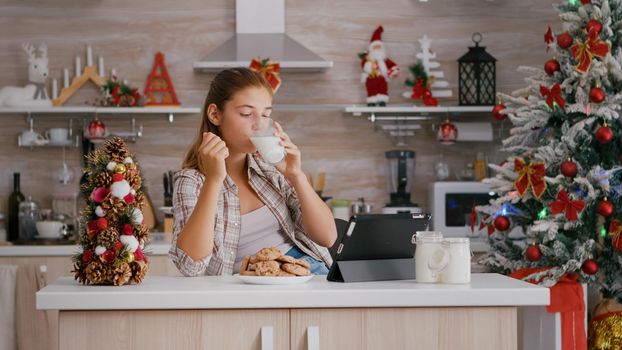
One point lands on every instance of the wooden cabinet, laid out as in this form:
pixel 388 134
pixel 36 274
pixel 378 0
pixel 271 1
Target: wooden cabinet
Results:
pixel 265 329
pixel 33 273
pixel 404 328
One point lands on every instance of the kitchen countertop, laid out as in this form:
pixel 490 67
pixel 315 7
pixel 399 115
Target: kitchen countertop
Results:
pixel 228 292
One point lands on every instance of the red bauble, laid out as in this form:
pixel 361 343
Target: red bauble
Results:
pixel 87 256
pixel 597 95
pixel 533 253
pixel 605 208
pixel 117 246
pixel 96 130
pixel 117 177
pixel 127 229
pixel 604 135
pixel 564 40
pixel 108 256
pixel 496 112
pixel 551 66
pixel 590 267
pixel 585 2
pixel 102 224
pixel 502 223
pixel 447 133
pixel 568 168
pixel 594 25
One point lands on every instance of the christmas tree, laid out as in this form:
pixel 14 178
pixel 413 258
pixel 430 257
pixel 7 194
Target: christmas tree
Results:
pixel 113 234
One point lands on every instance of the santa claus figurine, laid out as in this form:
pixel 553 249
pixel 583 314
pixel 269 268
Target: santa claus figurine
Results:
pixel 377 71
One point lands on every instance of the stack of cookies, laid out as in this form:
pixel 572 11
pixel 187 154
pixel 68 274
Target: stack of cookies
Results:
pixel 271 262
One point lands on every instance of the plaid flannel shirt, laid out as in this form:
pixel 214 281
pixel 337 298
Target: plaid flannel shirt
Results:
pixel 273 190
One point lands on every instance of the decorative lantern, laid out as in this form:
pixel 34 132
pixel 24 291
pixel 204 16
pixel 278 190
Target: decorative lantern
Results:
pixel 477 76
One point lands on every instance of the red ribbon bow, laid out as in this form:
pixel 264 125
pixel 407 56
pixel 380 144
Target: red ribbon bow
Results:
pixel 563 203
pixel 583 52
pixel 530 175
pixel 615 227
pixel 548 38
pixel 553 95
pixel 567 299
pixel 268 70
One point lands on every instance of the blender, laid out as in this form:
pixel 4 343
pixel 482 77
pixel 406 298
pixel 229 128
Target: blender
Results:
pixel 400 176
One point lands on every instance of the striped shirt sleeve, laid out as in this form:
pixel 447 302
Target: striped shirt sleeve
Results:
pixel 186 189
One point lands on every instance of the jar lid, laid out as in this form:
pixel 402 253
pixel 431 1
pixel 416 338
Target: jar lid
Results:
pixel 456 240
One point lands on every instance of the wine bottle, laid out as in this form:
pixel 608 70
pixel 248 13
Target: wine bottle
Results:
pixel 15 198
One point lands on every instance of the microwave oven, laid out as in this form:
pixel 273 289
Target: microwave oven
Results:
pixel 451 204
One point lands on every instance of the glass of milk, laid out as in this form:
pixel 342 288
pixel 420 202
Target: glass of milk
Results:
pixel 268 145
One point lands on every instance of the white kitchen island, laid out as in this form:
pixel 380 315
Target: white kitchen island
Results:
pixel 224 313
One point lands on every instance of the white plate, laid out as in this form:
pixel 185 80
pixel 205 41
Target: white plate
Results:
pixel 273 280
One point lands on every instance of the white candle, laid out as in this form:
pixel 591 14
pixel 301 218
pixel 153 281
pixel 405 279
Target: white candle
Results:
pixel 113 72
pixel 78 66
pixel 89 56
pixel 101 66
pixel 54 89
pixel 65 78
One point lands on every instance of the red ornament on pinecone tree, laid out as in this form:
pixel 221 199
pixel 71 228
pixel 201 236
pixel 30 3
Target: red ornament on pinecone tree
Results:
pixel 496 112
pixel 533 253
pixel 597 95
pixel 589 267
pixel 605 208
pixel 551 66
pixel 604 135
pixel 568 168
pixel 594 25
pixel 502 223
pixel 564 40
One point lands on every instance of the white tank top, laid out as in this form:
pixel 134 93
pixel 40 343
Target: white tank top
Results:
pixel 260 229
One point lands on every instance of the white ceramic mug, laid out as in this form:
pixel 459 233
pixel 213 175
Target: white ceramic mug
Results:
pixel 50 229
pixel 57 135
pixel 268 145
pixel 429 256
pixel 29 137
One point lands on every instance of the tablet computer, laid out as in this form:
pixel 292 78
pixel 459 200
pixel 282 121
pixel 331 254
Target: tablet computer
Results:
pixel 377 247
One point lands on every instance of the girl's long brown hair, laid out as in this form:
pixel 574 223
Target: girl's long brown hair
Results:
pixel 225 84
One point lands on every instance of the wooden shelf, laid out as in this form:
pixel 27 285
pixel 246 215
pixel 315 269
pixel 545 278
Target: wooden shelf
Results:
pixel 410 109
pixel 102 110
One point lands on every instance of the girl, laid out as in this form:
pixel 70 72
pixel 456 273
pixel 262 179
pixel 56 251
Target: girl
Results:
pixel 229 203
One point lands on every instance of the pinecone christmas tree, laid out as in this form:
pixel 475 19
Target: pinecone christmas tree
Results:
pixel 114 234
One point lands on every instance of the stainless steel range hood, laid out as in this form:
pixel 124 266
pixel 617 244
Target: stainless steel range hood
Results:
pixel 260 32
